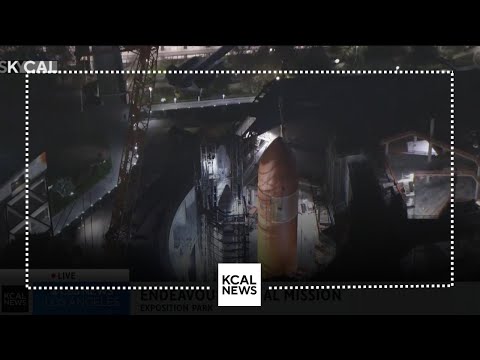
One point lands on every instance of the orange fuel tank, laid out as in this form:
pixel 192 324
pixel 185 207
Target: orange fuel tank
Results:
pixel 277 210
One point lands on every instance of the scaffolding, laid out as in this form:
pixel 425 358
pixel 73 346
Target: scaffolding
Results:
pixel 224 232
pixel 206 192
pixel 227 238
pixel 24 201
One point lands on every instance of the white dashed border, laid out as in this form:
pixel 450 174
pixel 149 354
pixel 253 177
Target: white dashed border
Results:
pixel 452 178
pixel 349 287
pixel 249 72
pixel 27 178
pixel 113 287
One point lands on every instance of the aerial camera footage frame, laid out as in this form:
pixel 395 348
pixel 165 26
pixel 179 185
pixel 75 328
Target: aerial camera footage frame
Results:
pixel 395 72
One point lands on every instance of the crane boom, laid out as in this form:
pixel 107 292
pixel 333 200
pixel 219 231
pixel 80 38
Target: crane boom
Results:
pixel 140 103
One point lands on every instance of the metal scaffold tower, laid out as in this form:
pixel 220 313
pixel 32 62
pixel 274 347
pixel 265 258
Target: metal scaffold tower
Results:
pixel 224 232
pixel 207 193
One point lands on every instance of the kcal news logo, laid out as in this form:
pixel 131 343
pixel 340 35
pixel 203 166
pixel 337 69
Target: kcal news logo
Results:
pixel 26 67
pixel 239 285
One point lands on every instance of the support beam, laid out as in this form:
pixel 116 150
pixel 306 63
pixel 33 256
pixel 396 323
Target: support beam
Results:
pixel 21 226
pixel 35 196
pixel 443 173
pixel 432 127
pixel 477 187
pixel 347 183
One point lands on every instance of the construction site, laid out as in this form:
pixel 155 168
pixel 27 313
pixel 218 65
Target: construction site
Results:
pixel 334 177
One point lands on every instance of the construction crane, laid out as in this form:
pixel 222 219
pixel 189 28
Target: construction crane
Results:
pixel 140 103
